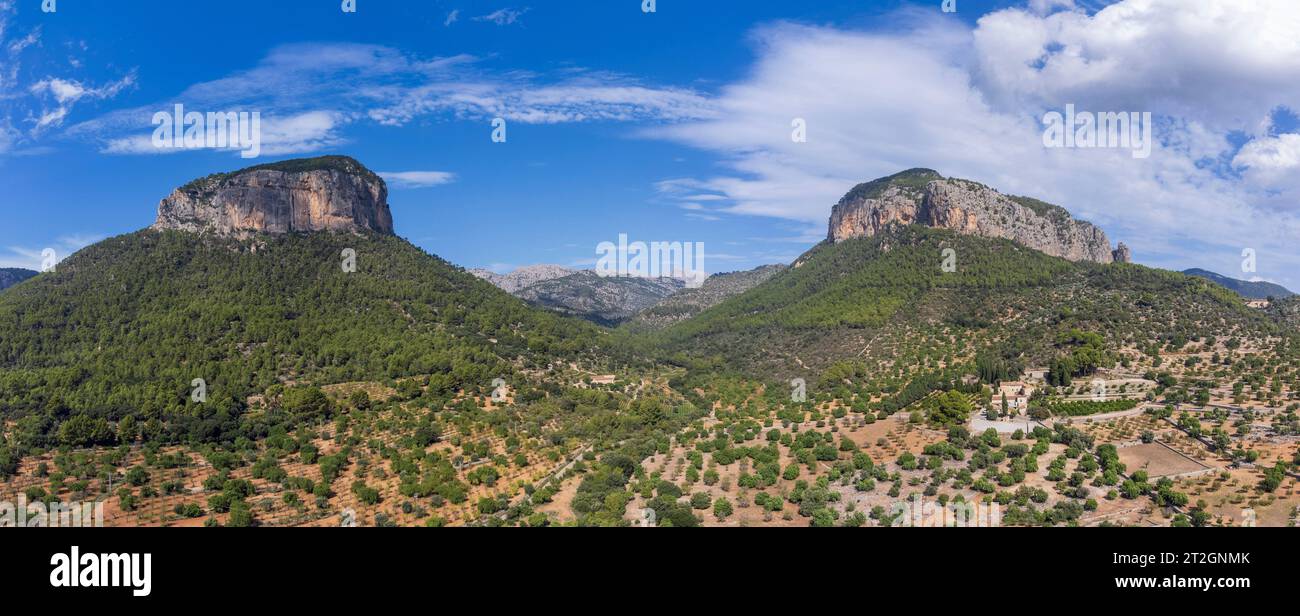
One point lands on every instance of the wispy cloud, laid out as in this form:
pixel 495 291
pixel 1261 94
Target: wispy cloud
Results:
pixel 28 110
pixel 417 179
pixel 309 93
pixel 452 17
pixel 503 17
pixel 67 93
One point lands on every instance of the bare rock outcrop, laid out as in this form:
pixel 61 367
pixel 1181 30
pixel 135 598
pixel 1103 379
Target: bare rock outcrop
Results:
pixel 922 196
pixel 1122 253
pixel 331 193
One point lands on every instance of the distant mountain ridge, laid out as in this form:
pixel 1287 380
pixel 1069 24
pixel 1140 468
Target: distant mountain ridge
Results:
pixel 687 303
pixel 10 276
pixel 924 197
pixel 582 293
pixel 1245 288
pixel 523 277
pixel 606 300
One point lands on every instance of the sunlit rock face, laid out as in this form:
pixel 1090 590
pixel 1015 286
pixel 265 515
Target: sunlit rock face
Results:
pixel 327 194
pixel 922 196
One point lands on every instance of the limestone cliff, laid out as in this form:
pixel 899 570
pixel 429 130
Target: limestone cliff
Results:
pixel 922 196
pixel 331 193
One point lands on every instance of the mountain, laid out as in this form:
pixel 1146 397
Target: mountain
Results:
pixel 687 303
pixel 877 289
pixel 523 277
pixel 124 327
pixel 10 276
pixel 886 299
pixel 1245 288
pixel 582 293
pixel 333 193
pixel 923 196
pixel 606 300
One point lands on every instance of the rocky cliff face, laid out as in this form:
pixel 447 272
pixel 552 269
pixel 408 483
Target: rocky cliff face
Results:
pixel 922 196
pixel 332 193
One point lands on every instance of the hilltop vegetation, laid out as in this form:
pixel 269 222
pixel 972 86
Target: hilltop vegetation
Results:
pixel 341 164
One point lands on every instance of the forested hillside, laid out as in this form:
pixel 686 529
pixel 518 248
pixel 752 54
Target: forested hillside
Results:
pixel 839 299
pixel 123 329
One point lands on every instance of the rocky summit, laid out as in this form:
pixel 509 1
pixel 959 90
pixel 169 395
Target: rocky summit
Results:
pixel 330 193
pixel 923 196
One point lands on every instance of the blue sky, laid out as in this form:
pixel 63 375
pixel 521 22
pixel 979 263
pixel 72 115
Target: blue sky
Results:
pixel 666 126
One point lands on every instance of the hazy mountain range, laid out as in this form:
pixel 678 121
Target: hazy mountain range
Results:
pixel 1245 288
pixel 11 276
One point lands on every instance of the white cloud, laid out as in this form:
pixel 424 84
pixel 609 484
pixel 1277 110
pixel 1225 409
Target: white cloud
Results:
pixel 17 45
pixel 417 179
pixel 1043 7
pixel 503 17
pixel 67 93
pixel 306 132
pixel 452 17
pixel 1181 57
pixel 1268 160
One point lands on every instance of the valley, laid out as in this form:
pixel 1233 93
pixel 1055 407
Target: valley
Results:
pixel 1016 388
